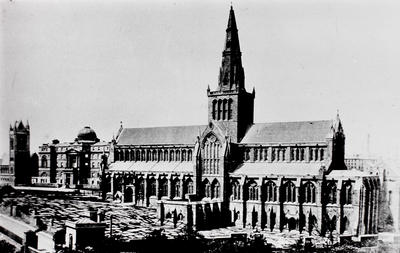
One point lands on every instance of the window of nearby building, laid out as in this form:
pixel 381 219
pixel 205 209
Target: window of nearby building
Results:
pixel 44 161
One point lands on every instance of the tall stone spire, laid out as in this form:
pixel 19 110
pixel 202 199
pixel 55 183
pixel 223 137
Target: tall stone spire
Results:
pixel 231 75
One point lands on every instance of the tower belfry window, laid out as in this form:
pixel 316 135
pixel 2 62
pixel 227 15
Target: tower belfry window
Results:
pixel 229 109
pixel 219 109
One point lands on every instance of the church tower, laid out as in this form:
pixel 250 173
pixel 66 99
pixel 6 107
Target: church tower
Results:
pixel 20 152
pixel 230 106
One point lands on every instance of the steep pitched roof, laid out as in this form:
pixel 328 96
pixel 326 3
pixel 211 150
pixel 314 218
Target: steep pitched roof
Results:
pixel 288 132
pixel 160 135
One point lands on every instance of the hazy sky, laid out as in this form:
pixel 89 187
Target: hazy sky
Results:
pixel 68 64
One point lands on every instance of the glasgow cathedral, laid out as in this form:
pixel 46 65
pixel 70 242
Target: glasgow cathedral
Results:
pixel 234 172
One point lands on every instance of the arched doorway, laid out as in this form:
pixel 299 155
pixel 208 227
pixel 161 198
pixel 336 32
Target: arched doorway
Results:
pixel 291 224
pixel 128 195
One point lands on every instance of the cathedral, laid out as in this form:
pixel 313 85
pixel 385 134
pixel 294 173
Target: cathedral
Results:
pixel 279 176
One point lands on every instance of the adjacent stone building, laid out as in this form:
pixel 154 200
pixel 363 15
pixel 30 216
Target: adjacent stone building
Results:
pixel 19 170
pixel 72 164
pixel 231 171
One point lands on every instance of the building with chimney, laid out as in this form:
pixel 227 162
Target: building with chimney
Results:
pixel 277 176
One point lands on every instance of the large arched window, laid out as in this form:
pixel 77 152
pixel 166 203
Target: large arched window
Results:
pixel 121 155
pixel 289 192
pixel 252 191
pixel 309 192
pixel 132 153
pixel 331 192
pixel 177 155
pixel 154 155
pixel 321 154
pixel 235 190
pixel 270 191
pixel 163 187
pixel 207 188
pixel 215 189
pixel 346 193
pixel 210 155
pixel 171 156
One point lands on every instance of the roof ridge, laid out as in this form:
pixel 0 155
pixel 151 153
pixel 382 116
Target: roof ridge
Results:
pixel 300 121
pixel 204 125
